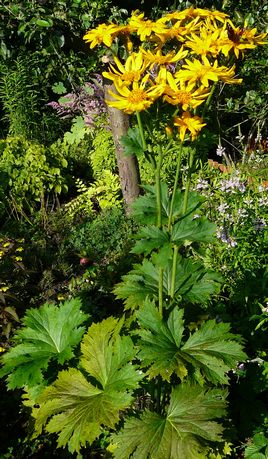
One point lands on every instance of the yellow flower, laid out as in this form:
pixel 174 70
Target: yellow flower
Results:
pixel 163 59
pixel 203 72
pixel 239 40
pixel 136 98
pixel 206 43
pixel 213 15
pixel 188 122
pixel 178 31
pixel 102 34
pixel 132 70
pixel 145 28
pixel 177 93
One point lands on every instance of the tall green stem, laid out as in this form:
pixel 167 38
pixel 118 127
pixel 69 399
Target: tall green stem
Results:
pixel 159 221
pixel 141 130
pixel 176 181
pixel 158 186
pixel 158 201
pixel 174 270
pixel 188 181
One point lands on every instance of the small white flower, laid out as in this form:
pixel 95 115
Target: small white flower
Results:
pixel 223 207
pixel 220 150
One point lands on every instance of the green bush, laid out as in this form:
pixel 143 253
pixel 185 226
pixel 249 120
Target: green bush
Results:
pixel 33 172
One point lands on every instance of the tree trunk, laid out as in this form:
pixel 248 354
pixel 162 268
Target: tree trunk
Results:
pixel 127 165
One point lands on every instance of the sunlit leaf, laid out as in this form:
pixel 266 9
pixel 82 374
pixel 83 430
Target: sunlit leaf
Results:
pixel 48 333
pixel 190 417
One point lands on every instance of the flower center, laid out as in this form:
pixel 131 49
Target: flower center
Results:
pixel 131 76
pixel 136 96
pixel 183 97
pixel 161 59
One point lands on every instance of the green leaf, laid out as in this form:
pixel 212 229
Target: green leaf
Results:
pixel 78 131
pixel 49 333
pixel 213 349
pixel 160 342
pixel 59 88
pixel 199 230
pixel 132 142
pixel 44 23
pixel 151 238
pixel 193 282
pixel 190 417
pixel 144 208
pixel 75 407
pixel 210 350
pixel 106 356
pixel 76 410
pixel 253 452
pixel 260 440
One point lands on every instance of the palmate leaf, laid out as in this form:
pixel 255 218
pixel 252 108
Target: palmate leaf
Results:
pixel 187 229
pixel 75 407
pixel 211 350
pixel 214 349
pixel 132 142
pixel 193 282
pixel 160 342
pixel 106 356
pixel 190 416
pixel 151 238
pixel 144 208
pixel 48 333
pixel 198 230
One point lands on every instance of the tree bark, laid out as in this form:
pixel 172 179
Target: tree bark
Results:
pixel 127 165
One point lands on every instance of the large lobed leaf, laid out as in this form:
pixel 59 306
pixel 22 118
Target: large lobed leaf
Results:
pixel 144 208
pixel 214 350
pixel 76 408
pixel 193 282
pixel 48 333
pixel 151 238
pixel 160 342
pixel 186 230
pixel 197 230
pixel 190 417
pixel 210 351
pixel 106 356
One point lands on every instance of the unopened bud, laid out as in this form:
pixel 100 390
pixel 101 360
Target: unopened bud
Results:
pixel 169 132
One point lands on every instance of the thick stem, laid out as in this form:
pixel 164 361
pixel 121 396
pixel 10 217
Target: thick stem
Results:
pixel 188 181
pixel 127 165
pixel 176 181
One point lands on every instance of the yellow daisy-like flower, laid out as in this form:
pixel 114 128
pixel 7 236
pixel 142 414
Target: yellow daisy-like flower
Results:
pixel 193 13
pixel 238 40
pixel 159 58
pixel 178 31
pixel 145 28
pixel 132 70
pixel 187 122
pixel 136 98
pixel 177 93
pixel 207 42
pixel 203 72
pixel 102 34
pixel 213 15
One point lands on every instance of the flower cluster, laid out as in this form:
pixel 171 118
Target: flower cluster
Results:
pixel 177 59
